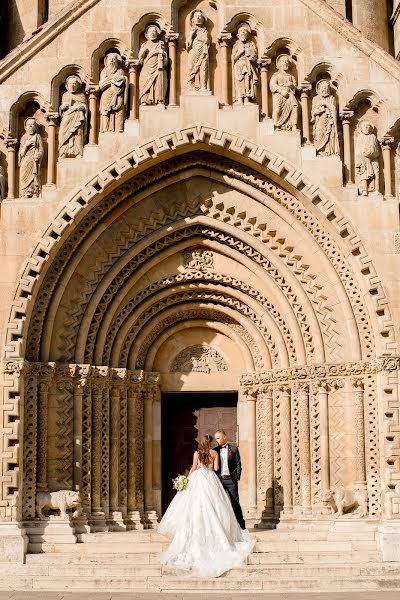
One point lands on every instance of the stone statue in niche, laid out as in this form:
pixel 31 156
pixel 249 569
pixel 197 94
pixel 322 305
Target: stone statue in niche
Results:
pixel 324 118
pixel 367 155
pixel 153 78
pixel 244 64
pixel 114 87
pixel 3 186
pixel 29 158
pixel 197 46
pixel 284 103
pixel 73 112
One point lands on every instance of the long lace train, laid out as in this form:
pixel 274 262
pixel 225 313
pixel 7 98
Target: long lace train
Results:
pixel 206 538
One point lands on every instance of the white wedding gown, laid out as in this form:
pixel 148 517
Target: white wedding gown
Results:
pixel 206 538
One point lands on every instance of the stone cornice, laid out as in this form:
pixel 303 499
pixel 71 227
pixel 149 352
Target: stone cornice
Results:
pixel 322 371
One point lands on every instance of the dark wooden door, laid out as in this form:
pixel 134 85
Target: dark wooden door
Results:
pixel 186 418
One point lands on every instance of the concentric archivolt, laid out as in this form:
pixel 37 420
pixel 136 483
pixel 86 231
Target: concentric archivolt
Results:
pixel 78 219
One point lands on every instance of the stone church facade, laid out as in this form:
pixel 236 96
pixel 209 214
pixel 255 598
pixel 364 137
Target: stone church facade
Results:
pixel 199 227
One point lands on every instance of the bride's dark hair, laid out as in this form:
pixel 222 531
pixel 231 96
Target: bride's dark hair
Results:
pixel 204 449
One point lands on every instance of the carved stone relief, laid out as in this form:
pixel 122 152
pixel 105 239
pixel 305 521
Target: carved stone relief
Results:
pixel 197 47
pixel 114 94
pixel 73 111
pixel 198 359
pixel 244 64
pixel 29 158
pixel 324 117
pixel 283 88
pixel 153 78
pixel 199 259
pixel 367 154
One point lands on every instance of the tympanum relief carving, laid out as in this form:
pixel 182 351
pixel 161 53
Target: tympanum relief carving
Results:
pixel 199 359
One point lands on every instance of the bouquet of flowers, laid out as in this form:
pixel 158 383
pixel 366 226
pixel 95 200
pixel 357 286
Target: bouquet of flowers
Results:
pixel 180 483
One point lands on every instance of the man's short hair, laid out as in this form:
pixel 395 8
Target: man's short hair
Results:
pixel 221 431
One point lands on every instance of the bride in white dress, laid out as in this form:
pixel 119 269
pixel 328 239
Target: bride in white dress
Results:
pixel 206 539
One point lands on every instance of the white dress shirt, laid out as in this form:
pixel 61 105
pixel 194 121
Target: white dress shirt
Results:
pixel 224 461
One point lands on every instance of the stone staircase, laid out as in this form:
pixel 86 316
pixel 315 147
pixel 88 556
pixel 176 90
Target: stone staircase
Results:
pixel 336 555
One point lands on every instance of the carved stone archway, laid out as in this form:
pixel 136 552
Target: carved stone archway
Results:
pixel 83 324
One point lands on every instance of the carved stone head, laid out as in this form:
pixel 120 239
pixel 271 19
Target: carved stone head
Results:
pixel 365 127
pixel 283 62
pixel 73 83
pixel 323 88
pixel 244 32
pixel 197 18
pixel 152 32
pixel 31 125
pixel 112 61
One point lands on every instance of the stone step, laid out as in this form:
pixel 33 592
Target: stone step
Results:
pixel 318 546
pixel 102 547
pixel 225 583
pixel 312 557
pixel 75 558
pixel 333 536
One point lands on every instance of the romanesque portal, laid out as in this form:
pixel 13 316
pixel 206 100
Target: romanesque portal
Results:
pixel 206 207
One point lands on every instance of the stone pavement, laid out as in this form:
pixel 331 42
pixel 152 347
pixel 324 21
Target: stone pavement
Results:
pixel 29 595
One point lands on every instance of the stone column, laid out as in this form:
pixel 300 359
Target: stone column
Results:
pixel 223 42
pixel 150 514
pixel 93 133
pixel 11 167
pixel 172 40
pixel 286 447
pixel 133 511
pixel 105 452
pixel 52 119
pixel 347 163
pixel 304 443
pixel 43 396
pixel 77 433
pixel 387 143
pixel 251 397
pixel 264 66
pixel 115 522
pixel 322 391
pixel 305 113
pixel 133 89
pixel 123 452
pixel 359 431
pixel 98 522
pixel 86 471
pixel 265 452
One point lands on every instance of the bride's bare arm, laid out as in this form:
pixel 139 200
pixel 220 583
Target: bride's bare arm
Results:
pixel 195 463
pixel 216 461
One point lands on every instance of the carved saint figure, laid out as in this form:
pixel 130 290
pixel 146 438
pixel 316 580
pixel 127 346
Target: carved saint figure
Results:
pixel 153 79
pixel 367 154
pixel 2 185
pixel 29 158
pixel 324 117
pixel 244 61
pixel 73 112
pixel 114 87
pixel 284 102
pixel 197 46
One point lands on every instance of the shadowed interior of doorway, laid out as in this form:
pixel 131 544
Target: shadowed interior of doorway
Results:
pixel 185 418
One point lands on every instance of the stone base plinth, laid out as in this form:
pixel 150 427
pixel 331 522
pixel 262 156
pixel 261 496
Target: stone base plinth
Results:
pixel 98 522
pixel 133 521
pixel 115 522
pixel 47 532
pixel 199 107
pixel 242 119
pixel 13 543
pixel 389 541
pixel 150 519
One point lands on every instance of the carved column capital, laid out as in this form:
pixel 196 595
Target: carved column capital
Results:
pixel 225 39
pixel 346 116
pixel 11 144
pixel 172 38
pixel 251 393
pixel 264 63
pixel 387 142
pixel 304 89
pixel 357 383
pixel 52 118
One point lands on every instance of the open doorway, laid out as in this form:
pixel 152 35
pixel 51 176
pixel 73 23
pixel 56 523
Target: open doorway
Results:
pixel 185 418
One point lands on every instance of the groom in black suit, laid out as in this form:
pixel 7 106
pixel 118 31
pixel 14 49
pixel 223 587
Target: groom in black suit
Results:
pixel 230 469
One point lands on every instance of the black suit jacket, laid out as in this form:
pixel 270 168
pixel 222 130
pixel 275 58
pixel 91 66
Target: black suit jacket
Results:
pixel 234 462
